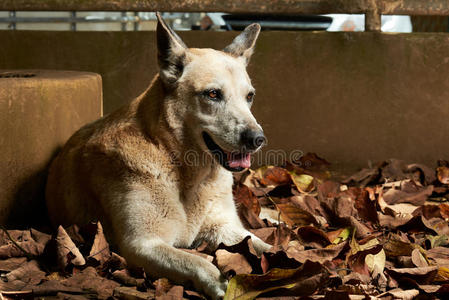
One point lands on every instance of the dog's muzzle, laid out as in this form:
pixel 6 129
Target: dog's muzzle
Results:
pixel 235 161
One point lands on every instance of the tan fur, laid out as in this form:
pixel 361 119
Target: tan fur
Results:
pixel 128 170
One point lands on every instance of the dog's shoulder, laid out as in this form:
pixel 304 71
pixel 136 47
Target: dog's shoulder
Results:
pixel 117 141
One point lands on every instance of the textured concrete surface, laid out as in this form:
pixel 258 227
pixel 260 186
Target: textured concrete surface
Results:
pixel 39 111
pixel 350 97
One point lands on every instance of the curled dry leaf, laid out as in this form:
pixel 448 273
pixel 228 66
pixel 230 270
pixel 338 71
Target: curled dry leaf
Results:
pixel 271 175
pixel 245 248
pixel 312 236
pixel 419 259
pixel 316 255
pixel 232 263
pixel 417 196
pixel 303 182
pixel 422 275
pixel 443 174
pixel 245 197
pixel 293 214
pixel 66 251
pixel 339 235
pixel 363 177
pixel 302 281
pixel 100 247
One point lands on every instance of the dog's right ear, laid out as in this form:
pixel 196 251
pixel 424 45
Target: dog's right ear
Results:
pixel 171 52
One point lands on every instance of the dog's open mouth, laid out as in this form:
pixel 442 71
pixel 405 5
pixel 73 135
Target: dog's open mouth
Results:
pixel 232 161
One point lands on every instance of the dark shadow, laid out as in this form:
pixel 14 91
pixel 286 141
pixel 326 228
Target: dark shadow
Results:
pixel 29 208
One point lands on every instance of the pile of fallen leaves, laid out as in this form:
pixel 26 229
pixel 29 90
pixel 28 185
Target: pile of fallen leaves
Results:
pixel 382 233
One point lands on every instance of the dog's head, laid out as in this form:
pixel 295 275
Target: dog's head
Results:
pixel 210 95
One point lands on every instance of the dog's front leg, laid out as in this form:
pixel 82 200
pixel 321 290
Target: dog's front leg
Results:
pixel 145 230
pixel 162 260
pixel 223 225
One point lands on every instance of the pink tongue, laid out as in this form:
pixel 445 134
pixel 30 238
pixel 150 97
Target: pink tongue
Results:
pixel 242 160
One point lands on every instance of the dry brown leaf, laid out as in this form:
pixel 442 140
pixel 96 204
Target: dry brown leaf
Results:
pixel 423 275
pixel 249 219
pixel 302 281
pixel 303 182
pixel 400 294
pixel 52 287
pixel 363 177
pixel 313 237
pixel 443 174
pixel 271 175
pixel 293 214
pixel 232 263
pixel 245 248
pixel 264 233
pixel 442 275
pixel 417 197
pixel 100 248
pixel 88 279
pixel 418 259
pixel 365 207
pixel 124 277
pixel 167 291
pixel 25 277
pixel 280 237
pixel 26 245
pixel 316 255
pixel 395 248
pixel 7 265
pixel 22 295
pixel 444 210
pixel 66 251
pixel 245 197
pixel 129 293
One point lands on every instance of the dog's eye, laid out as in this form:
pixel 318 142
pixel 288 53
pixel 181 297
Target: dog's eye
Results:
pixel 213 94
pixel 250 97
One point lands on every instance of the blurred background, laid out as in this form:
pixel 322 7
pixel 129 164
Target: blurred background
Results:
pixel 143 21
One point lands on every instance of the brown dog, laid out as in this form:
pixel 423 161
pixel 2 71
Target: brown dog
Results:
pixel 157 173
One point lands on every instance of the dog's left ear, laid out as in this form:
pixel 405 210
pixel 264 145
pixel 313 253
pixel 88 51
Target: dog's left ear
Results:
pixel 243 44
pixel 171 52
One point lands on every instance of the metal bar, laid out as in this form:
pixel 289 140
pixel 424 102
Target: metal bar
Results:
pixel 283 25
pixel 137 21
pixel 74 19
pixel 406 7
pixel 12 24
pixel 73 23
pixel 124 23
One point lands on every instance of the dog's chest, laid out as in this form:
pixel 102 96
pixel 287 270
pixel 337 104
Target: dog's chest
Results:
pixel 198 203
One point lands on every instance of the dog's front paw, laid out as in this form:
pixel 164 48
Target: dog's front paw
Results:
pixel 211 282
pixel 260 246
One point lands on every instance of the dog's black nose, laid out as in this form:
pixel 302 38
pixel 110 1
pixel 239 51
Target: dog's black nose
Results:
pixel 252 139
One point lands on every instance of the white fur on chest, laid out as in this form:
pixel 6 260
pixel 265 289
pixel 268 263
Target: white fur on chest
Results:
pixel 199 202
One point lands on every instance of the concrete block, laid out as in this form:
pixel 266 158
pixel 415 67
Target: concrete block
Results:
pixel 39 111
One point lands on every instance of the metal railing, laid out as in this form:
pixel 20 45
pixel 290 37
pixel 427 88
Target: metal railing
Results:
pixel 373 9
pixel 74 19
